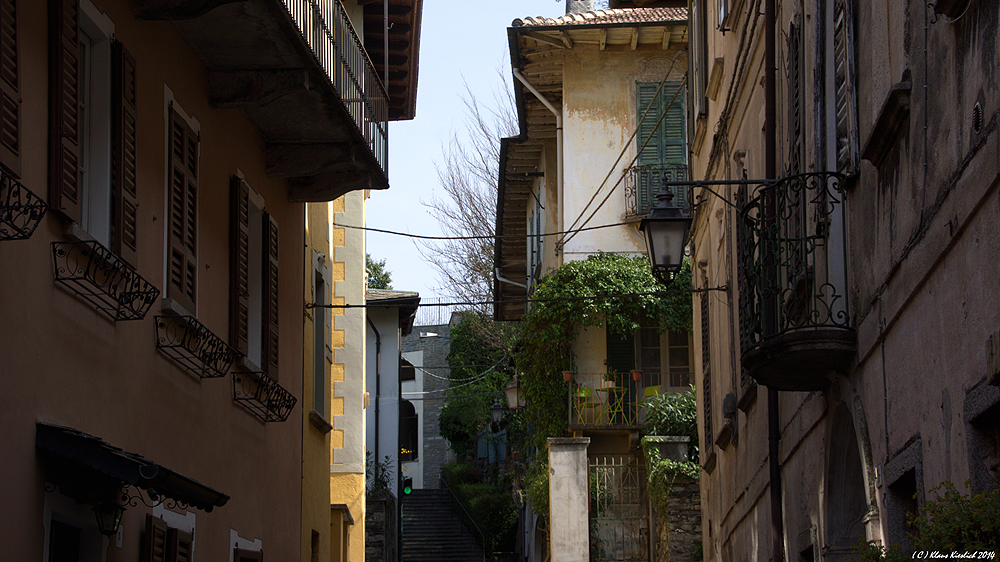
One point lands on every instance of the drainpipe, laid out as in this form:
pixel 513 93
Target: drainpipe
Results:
pixel 505 280
pixel 559 140
pixel 770 322
pixel 378 379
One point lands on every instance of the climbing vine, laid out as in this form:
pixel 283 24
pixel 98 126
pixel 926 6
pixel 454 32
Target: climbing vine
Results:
pixel 555 319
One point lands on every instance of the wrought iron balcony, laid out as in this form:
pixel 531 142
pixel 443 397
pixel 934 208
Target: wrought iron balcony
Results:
pixel 20 210
pixel 101 278
pixel 336 46
pixel 193 346
pixel 618 401
pixel 643 183
pixel 795 324
pixel 262 396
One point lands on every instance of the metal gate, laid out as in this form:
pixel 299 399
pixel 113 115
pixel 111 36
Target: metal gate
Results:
pixel 619 514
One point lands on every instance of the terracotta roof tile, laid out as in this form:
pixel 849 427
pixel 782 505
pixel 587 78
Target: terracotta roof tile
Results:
pixel 598 17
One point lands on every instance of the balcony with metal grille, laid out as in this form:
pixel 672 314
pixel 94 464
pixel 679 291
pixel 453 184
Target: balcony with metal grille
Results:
pixel 643 184
pixel 599 401
pixel 193 346
pixel 299 72
pixel 795 323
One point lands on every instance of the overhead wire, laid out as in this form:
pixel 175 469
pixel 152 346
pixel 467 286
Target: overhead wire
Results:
pixel 472 237
pixel 474 379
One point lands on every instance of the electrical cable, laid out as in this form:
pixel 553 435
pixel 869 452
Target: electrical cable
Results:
pixel 475 237
pixel 477 378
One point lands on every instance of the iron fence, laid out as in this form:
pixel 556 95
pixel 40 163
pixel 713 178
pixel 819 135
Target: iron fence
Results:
pixel 619 514
pixel 644 183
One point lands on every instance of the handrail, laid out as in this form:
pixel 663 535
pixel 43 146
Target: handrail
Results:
pixel 456 499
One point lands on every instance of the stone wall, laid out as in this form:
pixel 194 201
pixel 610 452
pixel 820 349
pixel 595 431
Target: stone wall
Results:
pixel 436 449
pixel 381 527
pixel 678 534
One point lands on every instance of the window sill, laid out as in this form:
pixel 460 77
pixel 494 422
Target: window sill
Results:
pixel 320 422
pixel 170 306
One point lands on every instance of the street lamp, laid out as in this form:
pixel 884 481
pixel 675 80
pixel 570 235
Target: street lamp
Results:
pixel 496 412
pixel 513 391
pixel 666 230
pixel 109 516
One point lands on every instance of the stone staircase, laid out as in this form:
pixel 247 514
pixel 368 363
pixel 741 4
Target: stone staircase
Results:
pixel 433 533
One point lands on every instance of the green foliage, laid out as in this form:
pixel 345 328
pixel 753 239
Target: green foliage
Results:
pixel 377 473
pixel 663 474
pixel 491 507
pixel 674 414
pixel 560 310
pixel 951 522
pixel 477 342
pixel 378 276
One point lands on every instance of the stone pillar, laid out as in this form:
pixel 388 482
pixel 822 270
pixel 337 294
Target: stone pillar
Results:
pixel 569 499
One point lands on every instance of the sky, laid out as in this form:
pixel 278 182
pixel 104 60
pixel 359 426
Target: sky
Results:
pixel 459 39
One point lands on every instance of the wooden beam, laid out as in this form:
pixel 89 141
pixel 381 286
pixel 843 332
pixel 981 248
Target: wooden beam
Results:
pixel 566 40
pixel 635 37
pixel 604 38
pixel 666 38
pixel 541 38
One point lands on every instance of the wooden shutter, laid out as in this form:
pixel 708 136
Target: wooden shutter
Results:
pixel 123 180
pixel 10 89
pixel 673 138
pixel 182 246
pixel 646 93
pixel 64 107
pixel 239 265
pixel 179 546
pixel 621 352
pixel 154 544
pixel 270 295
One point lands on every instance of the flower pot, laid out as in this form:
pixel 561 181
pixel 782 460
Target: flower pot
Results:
pixel 567 375
pixel 637 376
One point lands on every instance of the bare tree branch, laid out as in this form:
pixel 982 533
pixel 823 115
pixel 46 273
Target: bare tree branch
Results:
pixel 468 173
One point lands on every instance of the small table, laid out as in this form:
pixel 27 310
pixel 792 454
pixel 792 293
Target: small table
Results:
pixel 615 403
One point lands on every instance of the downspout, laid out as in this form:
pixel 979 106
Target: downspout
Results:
pixel 559 140
pixel 770 322
pixel 378 379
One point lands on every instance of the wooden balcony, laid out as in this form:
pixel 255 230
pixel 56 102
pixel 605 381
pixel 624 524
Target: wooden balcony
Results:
pixel 298 71
pixel 599 401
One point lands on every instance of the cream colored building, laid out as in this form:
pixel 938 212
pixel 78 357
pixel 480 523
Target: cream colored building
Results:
pixel 855 273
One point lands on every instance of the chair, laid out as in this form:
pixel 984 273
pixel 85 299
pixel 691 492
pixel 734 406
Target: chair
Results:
pixel 648 393
pixel 584 396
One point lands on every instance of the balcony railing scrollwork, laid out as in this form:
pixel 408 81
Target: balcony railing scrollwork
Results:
pixel 335 44
pixel 101 278
pixel 795 322
pixel 21 210
pixel 262 396
pixel 193 346
pixel 643 184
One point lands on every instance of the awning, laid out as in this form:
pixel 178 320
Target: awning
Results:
pixel 88 457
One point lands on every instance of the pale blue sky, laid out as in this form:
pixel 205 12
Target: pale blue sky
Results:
pixel 458 38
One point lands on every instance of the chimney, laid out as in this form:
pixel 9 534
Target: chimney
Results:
pixel 579 6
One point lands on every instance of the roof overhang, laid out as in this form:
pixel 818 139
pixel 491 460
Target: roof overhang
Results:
pixel 406 302
pixel 404 47
pixel 82 464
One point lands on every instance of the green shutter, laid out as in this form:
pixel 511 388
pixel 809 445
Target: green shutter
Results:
pixel 621 352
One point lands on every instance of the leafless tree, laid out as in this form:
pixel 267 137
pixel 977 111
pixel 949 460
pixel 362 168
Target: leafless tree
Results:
pixel 468 174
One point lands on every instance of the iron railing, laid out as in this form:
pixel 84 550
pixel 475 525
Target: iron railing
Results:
pixel 101 278
pixel 327 29
pixel 262 396
pixel 467 518
pixel 643 184
pixel 599 400
pixel 193 346
pixel 792 258
pixel 619 524
pixel 20 209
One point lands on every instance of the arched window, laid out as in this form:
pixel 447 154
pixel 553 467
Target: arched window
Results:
pixel 409 440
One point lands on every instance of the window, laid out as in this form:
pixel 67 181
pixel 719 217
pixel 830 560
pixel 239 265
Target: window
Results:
pixel 322 354
pixel 182 211
pixel 92 154
pixel 163 543
pixel 409 439
pixel 253 278
pixel 407 372
pixel 10 89
pixel 241 555
pixel 663 357
pixel 662 143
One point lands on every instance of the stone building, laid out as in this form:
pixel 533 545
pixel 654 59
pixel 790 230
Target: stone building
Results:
pixel 844 238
